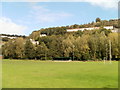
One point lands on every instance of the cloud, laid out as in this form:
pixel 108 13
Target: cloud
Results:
pixel 42 14
pixel 107 4
pixel 111 4
pixel 7 26
pixel 26 0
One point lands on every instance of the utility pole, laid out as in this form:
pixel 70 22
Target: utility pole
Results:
pixel 73 52
pixel 110 51
pixel 45 55
pixel 106 54
pixel 106 51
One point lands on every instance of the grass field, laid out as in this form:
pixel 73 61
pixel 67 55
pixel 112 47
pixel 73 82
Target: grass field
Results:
pixel 38 74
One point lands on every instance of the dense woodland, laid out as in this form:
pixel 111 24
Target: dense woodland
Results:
pixel 58 44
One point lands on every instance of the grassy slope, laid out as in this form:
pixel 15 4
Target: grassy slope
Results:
pixel 37 74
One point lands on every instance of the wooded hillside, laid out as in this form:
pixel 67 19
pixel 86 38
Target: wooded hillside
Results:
pixel 58 44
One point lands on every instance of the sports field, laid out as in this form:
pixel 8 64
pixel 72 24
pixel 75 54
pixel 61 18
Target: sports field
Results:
pixel 41 74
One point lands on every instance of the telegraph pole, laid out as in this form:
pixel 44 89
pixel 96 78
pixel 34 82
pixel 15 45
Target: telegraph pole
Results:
pixel 46 55
pixel 110 56
pixel 73 52
pixel 106 51
pixel 106 54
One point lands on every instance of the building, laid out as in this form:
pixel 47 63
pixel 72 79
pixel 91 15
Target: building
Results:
pixel 2 36
pixel 12 37
pixel 109 27
pixel 42 35
pixel 81 29
pixel 34 42
pixel 115 30
pixel 91 28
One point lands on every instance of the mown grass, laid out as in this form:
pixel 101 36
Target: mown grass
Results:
pixel 38 74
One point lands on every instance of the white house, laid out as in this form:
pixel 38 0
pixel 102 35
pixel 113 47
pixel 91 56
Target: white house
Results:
pixel 73 30
pixel 12 37
pixel 7 37
pixel 115 30
pixel 3 36
pixel 108 27
pixel 34 42
pixel 82 29
pixel 42 35
pixel 91 28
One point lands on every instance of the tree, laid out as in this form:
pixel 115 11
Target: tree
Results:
pixel 35 35
pixel 106 32
pixel 93 45
pixel 79 33
pixel 8 50
pixel 29 50
pixel 102 42
pixel 5 39
pixel 54 44
pixel 68 44
pixel 82 46
pixel 113 37
pixel 19 50
pixel 41 51
pixel 98 20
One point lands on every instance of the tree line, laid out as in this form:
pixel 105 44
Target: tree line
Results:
pixel 80 45
pixel 5 39
pixel 8 35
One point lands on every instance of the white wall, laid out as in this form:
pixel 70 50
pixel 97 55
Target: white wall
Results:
pixel 92 28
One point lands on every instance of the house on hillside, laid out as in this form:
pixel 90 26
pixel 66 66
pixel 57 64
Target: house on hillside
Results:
pixel 43 35
pixel 81 29
pixel 34 42
pixel 109 27
pixel 2 36
pixel 91 28
pixel 12 37
pixel 115 30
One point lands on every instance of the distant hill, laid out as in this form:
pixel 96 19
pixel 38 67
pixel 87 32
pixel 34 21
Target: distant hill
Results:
pixel 6 37
pixel 63 29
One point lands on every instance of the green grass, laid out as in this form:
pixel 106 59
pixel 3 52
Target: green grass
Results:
pixel 38 74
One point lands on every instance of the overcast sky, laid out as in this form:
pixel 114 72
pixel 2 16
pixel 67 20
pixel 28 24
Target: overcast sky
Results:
pixel 25 17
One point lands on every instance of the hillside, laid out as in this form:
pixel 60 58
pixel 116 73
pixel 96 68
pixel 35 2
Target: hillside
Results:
pixel 63 29
pixel 7 37
pixel 57 44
